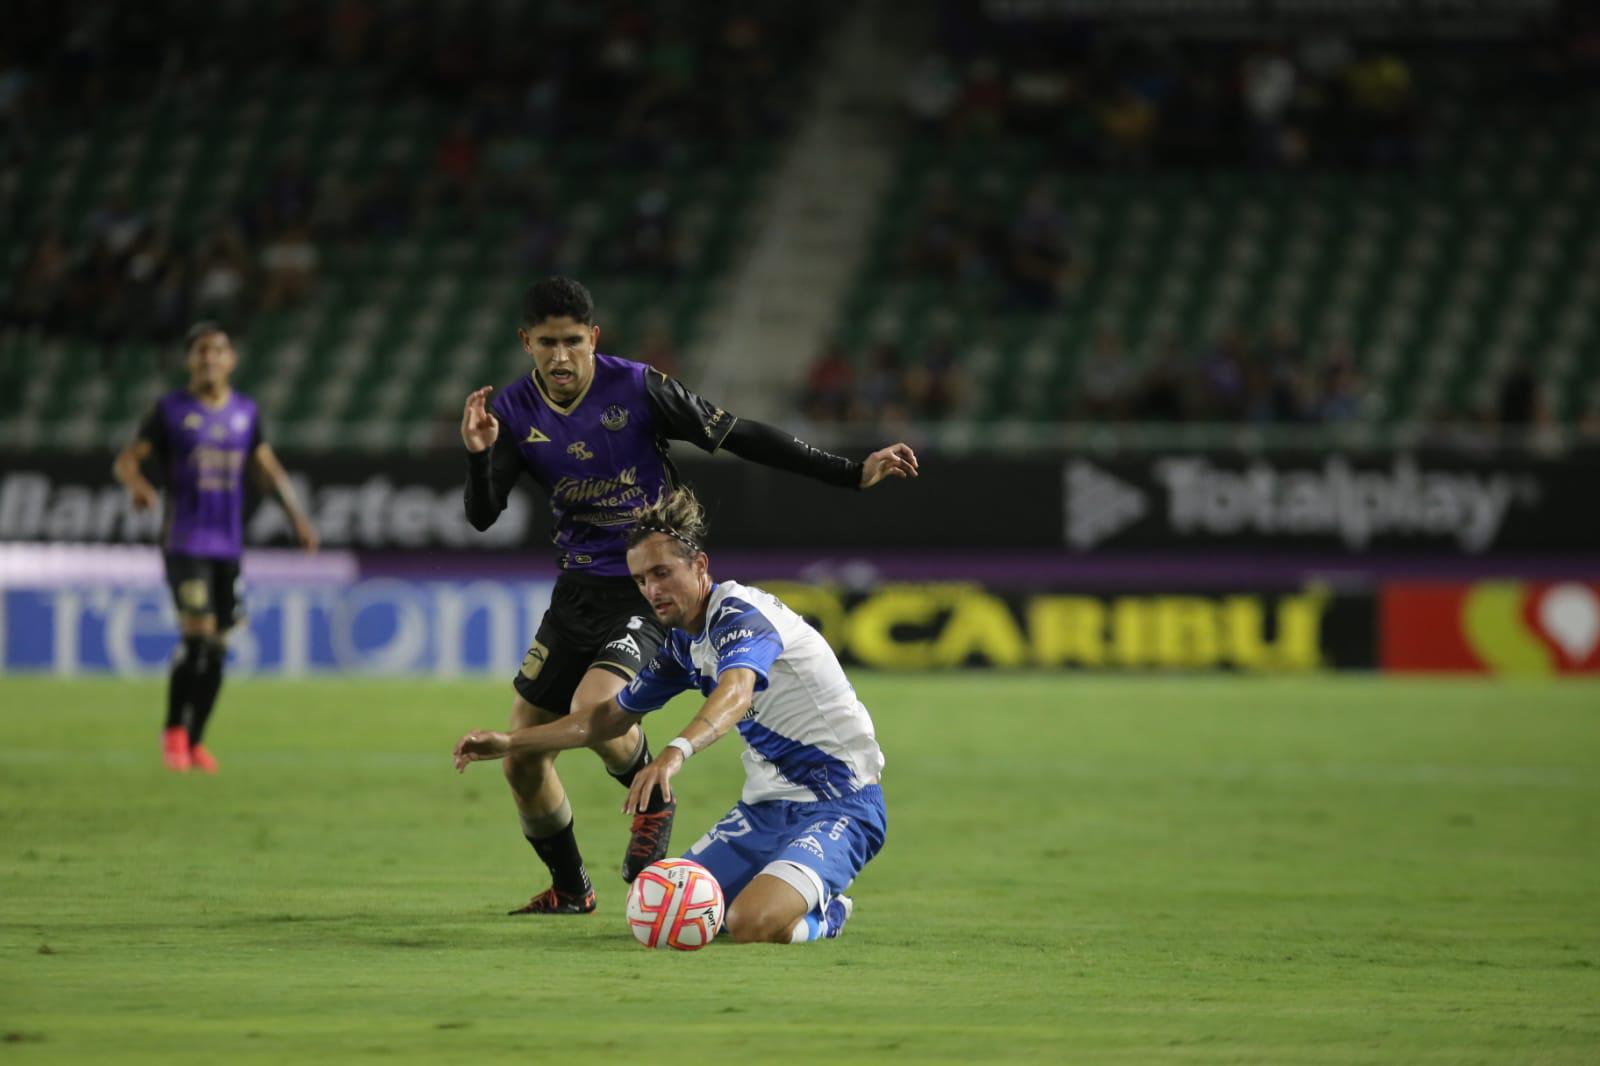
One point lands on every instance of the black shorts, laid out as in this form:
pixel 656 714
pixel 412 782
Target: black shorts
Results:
pixel 593 623
pixel 206 586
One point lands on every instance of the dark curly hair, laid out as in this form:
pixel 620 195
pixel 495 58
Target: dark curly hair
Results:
pixel 554 298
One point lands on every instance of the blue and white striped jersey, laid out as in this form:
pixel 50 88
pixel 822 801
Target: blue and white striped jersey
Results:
pixel 807 736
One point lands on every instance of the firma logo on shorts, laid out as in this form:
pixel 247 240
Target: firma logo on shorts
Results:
pixel 811 844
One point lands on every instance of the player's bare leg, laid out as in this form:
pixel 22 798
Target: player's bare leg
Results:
pixel 651 832
pixel 766 912
pixel 546 818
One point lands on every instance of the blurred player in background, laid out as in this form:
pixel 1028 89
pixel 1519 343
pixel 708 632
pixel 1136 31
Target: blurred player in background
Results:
pixel 204 436
pixel 592 430
pixel 812 812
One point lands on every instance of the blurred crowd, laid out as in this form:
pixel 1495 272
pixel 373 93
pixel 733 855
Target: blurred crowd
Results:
pixel 1236 378
pixel 1025 250
pixel 886 385
pixel 1099 101
pixel 655 84
pixel 127 278
pixel 641 87
pixel 1106 94
pixel 648 75
pixel 1269 380
pixel 1091 95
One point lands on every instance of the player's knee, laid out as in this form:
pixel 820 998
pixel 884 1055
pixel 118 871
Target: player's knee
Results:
pixel 202 652
pixel 198 624
pixel 525 714
pixel 539 763
pixel 529 778
pixel 755 923
pixel 587 703
pixel 624 747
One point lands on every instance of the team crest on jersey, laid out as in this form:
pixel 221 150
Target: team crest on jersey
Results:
pixel 580 449
pixel 615 417
pixel 240 421
pixel 193 420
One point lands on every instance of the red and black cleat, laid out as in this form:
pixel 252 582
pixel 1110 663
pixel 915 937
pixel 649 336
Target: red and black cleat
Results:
pixel 175 752
pixel 553 901
pixel 652 833
pixel 202 760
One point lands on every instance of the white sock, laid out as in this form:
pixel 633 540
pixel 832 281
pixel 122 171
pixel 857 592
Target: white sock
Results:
pixel 807 928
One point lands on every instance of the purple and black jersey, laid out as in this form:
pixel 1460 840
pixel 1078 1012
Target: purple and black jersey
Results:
pixel 204 451
pixel 602 458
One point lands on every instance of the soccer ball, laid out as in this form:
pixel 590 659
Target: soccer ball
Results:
pixel 675 902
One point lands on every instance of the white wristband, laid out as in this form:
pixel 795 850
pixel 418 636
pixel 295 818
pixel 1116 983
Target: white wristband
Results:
pixel 683 745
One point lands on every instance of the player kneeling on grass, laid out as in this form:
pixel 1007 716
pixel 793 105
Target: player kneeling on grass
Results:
pixel 812 813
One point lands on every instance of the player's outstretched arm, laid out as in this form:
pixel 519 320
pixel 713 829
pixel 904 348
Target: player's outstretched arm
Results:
pixel 605 722
pixel 722 709
pixel 126 469
pixel 684 416
pixel 274 480
pixel 769 446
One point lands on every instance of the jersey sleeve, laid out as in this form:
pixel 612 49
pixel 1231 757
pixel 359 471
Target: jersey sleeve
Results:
pixel 154 430
pixel 491 474
pixel 744 637
pixel 769 446
pixel 661 679
pixel 685 416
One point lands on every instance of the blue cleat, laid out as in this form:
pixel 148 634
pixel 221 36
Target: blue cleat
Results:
pixel 837 913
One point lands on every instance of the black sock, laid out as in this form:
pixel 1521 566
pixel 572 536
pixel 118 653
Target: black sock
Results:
pixel 180 682
pixel 625 778
pixel 559 852
pixel 207 683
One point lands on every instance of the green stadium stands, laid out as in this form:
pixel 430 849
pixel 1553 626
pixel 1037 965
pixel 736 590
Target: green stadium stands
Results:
pixel 397 328
pixel 1439 280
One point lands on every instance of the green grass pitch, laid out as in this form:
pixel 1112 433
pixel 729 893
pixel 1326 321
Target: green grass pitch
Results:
pixel 1078 869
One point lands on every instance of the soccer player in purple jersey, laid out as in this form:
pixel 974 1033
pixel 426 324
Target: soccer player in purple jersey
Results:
pixel 592 430
pixel 205 436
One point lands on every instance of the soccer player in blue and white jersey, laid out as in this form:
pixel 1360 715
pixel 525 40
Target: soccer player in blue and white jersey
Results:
pixel 812 812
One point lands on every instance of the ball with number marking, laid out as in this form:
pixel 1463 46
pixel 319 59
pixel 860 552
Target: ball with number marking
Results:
pixel 675 903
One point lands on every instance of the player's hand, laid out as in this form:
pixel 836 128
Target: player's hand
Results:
pixel 144 496
pixel 479 428
pixel 306 534
pixel 655 776
pixel 479 745
pixel 897 460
